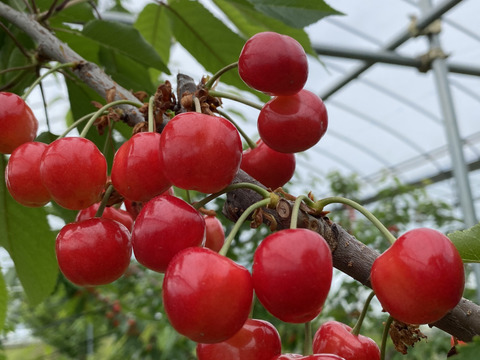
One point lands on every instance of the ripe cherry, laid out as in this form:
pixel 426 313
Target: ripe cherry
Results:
pixel 273 63
pixel 200 152
pixel 122 216
pixel 271 168
pixel 18 124
pixel 74 172
pixel 337 338
pixel 215 235
pixel 22 175
pixel 137 170
pixel 292 274
pixel 420 278
pixel 293 123
pixel 257 339
pixel 165 225
pixel 93 252
pixel 207 296
pixel 308 357
pixel 134 207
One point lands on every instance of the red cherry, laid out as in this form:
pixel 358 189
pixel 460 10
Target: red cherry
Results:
pixel 22 175
pixel 74 171
pixel 93 252
pixel 273 63
pixel 18 124
pixel 122 216
pixel 292 274
pixel 166 224
pixel 137 170
pixel 215 235
pixel 257 339
pixel 207 296
pixel 294 123
pixel 337 338
pixel 308 357
pixel 420 278
pixel 134 207
pixel 271 168
pixel 200 152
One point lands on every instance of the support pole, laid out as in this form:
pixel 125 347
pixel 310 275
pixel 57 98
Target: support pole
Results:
pixel 455 145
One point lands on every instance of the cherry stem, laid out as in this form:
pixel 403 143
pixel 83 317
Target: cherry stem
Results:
pixel 239 99
pixel 211 81
pixel 265 194
pixel 151 120
pixel 228 241
pixel 100 112
pixel 39 79
pixel 307 344
pixel 356 329
pixel 104 201
pixel 295 211
pixel 385 337
pixel 250 142
pixel 75 124
pixel 338 199
pixel 198 106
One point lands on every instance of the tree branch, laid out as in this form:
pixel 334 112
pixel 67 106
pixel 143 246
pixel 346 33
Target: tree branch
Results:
pixel 349 255
pixel 52 48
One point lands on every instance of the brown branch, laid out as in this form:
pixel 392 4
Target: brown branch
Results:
pixel 52 48
pixel 349 255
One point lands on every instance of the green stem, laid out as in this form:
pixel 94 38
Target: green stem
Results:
pixel 358 325
pixel 265 194
pixel 39 79
pixel 104 201
pixel 219 73
pixel 239 99
pixel 198 106
pixel 338 199
pixel 228 241
pixel 250 142
pixel 307 344
pixel 97 114
pixel 75 124
pixel 295 211
pixel 151 120
pixel 385 337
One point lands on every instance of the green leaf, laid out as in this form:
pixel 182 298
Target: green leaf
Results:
pixel 467 243
pixel 296 13
pixel 208 39
pixel 469 351
pixel 153 24
pixel 3 300
pixel 83 46
pixel 250 21
pixel 125 40
pixel 79 13
pixel 26 235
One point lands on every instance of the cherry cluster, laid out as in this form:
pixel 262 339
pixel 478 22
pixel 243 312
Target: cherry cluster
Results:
pixel 292 269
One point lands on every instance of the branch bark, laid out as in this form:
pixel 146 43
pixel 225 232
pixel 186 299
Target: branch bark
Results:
pixel 52 48
pixel 349 255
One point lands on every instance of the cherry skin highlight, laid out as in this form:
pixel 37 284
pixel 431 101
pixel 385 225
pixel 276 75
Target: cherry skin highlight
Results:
pixel 420 278
pixel 337 338
pixel 273 63
pixel 295 123
pixel 93 252
pixel 74 172
pixel 137 170
pixel 200 152
pixel 165 226
pixel 22 175
pixel 271 168
pixel 207 296
pixel 18 124
pixel 257 339
pixel 288 286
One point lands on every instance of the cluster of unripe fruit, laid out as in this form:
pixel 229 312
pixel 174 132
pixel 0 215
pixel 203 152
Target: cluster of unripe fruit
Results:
pixel 207 296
